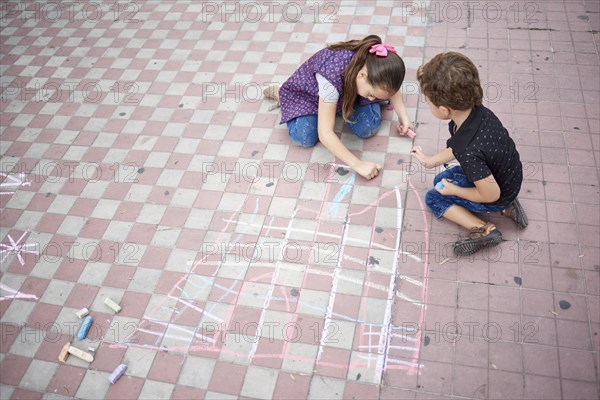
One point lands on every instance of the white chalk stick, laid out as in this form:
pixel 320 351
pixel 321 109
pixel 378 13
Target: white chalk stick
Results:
pixel 82 313
pixel 114 306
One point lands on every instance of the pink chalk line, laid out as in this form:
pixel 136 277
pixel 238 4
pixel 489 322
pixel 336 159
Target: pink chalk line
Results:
pixel 16 294
pixel 413 369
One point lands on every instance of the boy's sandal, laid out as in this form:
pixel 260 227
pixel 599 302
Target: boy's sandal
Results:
pixel 478 238
pixel 516 212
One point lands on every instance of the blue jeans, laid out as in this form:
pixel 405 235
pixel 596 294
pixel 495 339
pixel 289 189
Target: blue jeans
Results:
pixel 438 203
pixel 365 122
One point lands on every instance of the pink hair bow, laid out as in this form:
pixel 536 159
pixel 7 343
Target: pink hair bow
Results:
pixel 381 49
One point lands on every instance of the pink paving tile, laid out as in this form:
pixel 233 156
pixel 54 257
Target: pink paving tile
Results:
pixel 437 380
pixel 225 290
pixel 269 353
pixel 398 378
pixel 142 234
pixel 70 269
pixel 469 381
pixel 578 390
pixel 94 228
pixel 291 386
pixel 116 191
pixel 66 380
pixel 50 222
pixel 190 239
pixel 9 331
pixel 134 304
pixel 35 286
pixel 188 313
pixel 245 320
pixel 12 369
pixel 394 393
pixel 107 359
pixel 166 367
pixel 355 391
pixel 23 394
pixel 127 387
pixel 333 362
pixel 186 392
pixel 227 378
pixel 346 305
pixel 40 202
pixel 43 315
pixel 82 207
pixel 119 276
pixel 168 280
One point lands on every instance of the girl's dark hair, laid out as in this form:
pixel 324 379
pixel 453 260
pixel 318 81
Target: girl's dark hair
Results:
pixel 386 73
pixel 451 80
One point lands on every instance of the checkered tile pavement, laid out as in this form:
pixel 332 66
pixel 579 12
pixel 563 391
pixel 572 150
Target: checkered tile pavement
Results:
pixel 140 163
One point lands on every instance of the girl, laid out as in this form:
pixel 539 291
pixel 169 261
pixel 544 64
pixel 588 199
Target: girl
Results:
pixel 350 78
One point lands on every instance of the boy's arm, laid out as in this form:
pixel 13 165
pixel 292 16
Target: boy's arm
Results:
pixel 433 161
pixel 486 190
pixel 400 109
pixel 326 122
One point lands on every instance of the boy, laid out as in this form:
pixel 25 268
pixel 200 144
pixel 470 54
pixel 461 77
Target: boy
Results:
pixel 489 176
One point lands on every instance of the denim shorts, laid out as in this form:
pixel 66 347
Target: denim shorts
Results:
pixel 364 123
pixel 438 203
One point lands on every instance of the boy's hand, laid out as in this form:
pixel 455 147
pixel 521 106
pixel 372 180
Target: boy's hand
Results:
pixel 367 169
pixel 417 151
pixel 446 187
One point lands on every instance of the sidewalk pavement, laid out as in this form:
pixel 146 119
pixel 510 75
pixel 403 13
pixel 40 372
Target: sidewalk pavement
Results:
pixel 141 164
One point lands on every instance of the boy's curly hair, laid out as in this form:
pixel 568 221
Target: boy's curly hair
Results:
pixel 451 80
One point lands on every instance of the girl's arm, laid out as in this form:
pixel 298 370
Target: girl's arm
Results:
pixel 326 122
pixel 403 118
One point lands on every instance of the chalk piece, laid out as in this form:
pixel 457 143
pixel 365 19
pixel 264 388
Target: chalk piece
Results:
pixel 439 186
pixel 81 354
pixel 92 349
pixel 117 373
pixel 85 327
pixel 64 353
pixel 82 313
pixel 114 306
pixel 410 133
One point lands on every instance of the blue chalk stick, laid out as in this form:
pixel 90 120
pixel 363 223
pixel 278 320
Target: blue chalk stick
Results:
pixel 439 185
pixel 85 327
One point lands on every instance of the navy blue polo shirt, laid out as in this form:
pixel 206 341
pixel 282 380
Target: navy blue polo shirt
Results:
pixel 483 147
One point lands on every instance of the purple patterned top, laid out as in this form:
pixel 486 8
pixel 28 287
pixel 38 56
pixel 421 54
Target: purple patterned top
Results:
pixel 299 95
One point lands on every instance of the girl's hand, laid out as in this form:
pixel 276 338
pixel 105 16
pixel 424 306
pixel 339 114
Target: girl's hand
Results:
pixel 404 123
pixel 417 151
pixel 445 187
pixel 367 169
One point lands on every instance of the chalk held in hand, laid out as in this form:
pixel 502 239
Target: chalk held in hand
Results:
pixel 410 133
pixel 440 186
pixel 114 306
pixel 85 327
pixel 117 373
pixel 82 313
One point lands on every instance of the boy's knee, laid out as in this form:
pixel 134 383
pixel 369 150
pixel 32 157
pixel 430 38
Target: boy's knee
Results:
pixel 432 197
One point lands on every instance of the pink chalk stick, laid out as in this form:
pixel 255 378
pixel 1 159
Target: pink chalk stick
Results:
pixel 411 134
